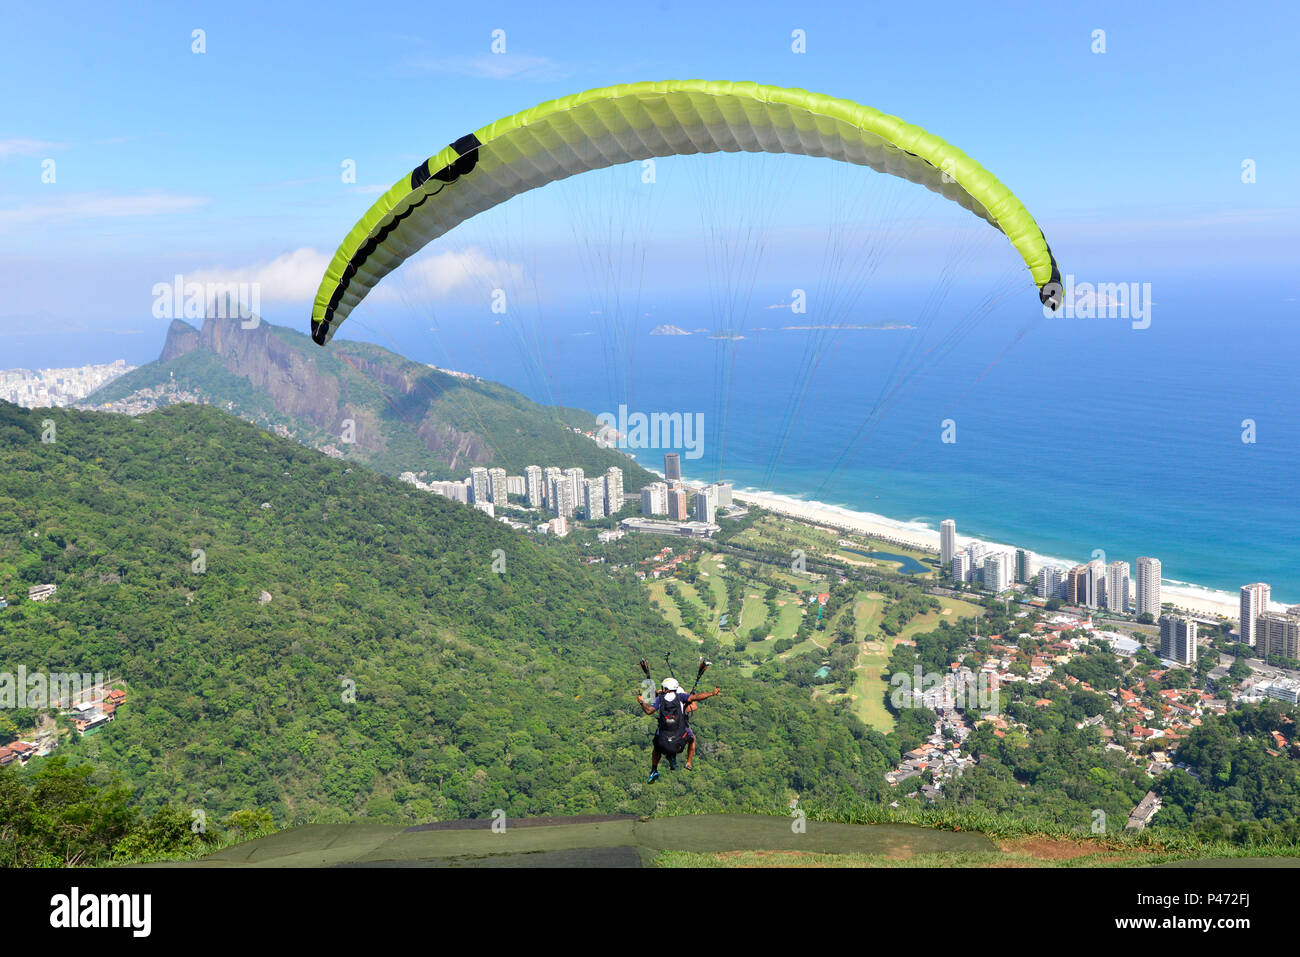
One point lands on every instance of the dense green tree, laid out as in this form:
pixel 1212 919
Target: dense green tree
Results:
pixel 393 673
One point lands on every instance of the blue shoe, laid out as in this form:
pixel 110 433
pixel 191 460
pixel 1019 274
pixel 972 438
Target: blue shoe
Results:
pixel 654 776
pixel 672 763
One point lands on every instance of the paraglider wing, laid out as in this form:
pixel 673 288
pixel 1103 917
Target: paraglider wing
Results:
pixel 637 121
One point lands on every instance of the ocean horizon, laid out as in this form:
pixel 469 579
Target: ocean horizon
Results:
pixel 1072 436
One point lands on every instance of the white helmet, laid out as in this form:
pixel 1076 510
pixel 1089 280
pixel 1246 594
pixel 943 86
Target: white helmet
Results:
pixel 670 684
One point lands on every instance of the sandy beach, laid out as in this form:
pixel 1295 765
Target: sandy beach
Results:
pixel 1184 596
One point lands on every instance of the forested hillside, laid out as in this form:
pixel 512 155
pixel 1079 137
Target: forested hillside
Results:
pixel 473 690
pixel 370 405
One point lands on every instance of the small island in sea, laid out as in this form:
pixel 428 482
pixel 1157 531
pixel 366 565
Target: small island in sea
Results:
pixel 667 330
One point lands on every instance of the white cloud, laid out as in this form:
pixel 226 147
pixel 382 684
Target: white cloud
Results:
pixel 289 277
pixel 20 146
pixel 295 276
pixel 71 206
pixel 444 272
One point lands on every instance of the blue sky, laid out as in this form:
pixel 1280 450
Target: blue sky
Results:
pixel 169 161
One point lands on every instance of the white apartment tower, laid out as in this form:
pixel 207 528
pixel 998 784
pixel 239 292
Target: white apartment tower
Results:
pixel 576 478
pixel 723 497
pixel 1050 581
pixel 613 489
pixel 1095 583
pixel 1254 602
pixel 1178 639
pixel 533 486
pixel 654 499
pixel 1277 634
pixel 500 489
pixel 998 570
pixel 593 498
pixel 1148 587
pixel 480 486
pixel 550 476
pixel 947 540
pixel 561 499
pixel 1117 587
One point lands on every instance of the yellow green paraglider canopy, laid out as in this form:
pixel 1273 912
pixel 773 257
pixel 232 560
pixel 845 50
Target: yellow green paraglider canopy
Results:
pixel 638 121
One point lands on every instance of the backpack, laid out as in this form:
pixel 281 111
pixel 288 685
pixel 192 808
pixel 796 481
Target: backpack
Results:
pixel 672 723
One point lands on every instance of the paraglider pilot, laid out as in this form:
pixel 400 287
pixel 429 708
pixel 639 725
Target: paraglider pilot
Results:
pixel 673 734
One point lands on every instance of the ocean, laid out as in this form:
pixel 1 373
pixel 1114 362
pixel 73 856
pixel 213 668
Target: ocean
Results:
pixel 1072 436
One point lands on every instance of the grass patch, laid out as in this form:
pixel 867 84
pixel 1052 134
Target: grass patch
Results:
pixel 714 583
pixel 788 618
pixel 753 616
pixel 869 686
pixel 660 598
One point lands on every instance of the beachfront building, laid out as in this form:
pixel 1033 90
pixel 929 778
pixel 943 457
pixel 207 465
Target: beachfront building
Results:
pixel 722 494
pixel 1148 587
pixel 961 567
pixel 1022 566
pixel 1076 592
pixel 705 507
pixel 672 466
pixel 1278 634
pixel 976 554
pixel 1117 587
pixel 654 499
pixel 947 540
pixel 997 571
pixel 1051 582
pixel 613 489
pixel 533 486
pixel 1095 584
pixel 1254 602
pixel 677 505
pixel 1178 639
